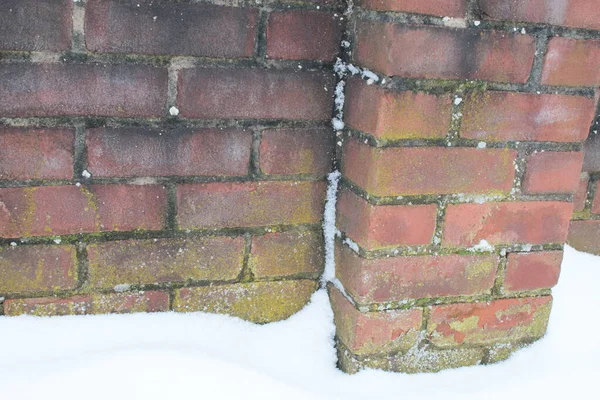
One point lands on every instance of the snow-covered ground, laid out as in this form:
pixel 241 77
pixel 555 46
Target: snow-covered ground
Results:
pixel 202 356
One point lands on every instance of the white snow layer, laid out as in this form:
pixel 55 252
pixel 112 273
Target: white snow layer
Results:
pixel 170 356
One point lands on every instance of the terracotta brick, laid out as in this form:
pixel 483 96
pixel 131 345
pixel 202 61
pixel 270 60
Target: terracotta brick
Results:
pixel 388 114
pixel 255 93
pixel 296 151
pixel 139 262
pixel 581 193
pixel 102 90
pixel 398 171
pixel 162 27
pixel 36 153
pixel 62 210
pixel 37 268
pixel 536 222
pixel 506 116
pixel 445 53
pixel 287 253
pixel 35 25
pixel 596 201
pixel 571 62
pixel 259 302
pixel 439 8
pixel 585 236
pixel 140 152
pixel 506 320
pixel 531 271
pixel 119 303
pixel 574 13
pixel 553 172
pixel 376 227
pixel 241 204
pixel 374 332
pixel 304 35
pixel 399 278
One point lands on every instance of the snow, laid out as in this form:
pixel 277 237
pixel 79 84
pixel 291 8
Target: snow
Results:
pixel 86 174
pixel 168 355
pixel 329 229
pixel 174 111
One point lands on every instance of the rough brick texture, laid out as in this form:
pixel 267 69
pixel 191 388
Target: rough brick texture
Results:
pixel 162 27
pixel 530 271
pixel 596 200
pixel 553 172
pixel 581 193
pixel 585 235
pixel 571 62
pixel 440 8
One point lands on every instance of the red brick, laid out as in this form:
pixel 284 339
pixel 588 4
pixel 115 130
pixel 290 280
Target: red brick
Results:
pixel 571 62
pixel 376 227
pixel 245 204
pixel 36 153
pixel 120 303
pixel 62 210
pixel 304 35
pixel 446 53
pixel 581 193
pixel 536 222
pixel 502 320
pixel 574 13
pixel 585 236
pixel 390 114
pixel 296 151
pixel 101 90
pixel 397 278
pixel 255 93
pixel 162 27
pixel 440 8
pixel 531 271
pixel 35 25
pixel 287 253
pixel 505 116
pixel 139 262
pixel 374 332
pixel 428 170
pixel 596 201
pixel 137 152
pixel 37 268
pixel 553 172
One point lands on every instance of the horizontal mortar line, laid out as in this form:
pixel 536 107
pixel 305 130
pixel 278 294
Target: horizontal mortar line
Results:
pixel 108 236
pixel 585 217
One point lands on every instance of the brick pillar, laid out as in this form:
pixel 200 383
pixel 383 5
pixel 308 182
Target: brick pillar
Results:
pixel 460 160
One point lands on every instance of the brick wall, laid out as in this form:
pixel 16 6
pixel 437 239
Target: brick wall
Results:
pixel 162 155
pixel 461 157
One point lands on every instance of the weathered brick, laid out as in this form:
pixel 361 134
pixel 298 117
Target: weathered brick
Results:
pixel 531 271
pixel 505 116
pixel 374 332
pixel 536 222
pixel 255 93
pixel 574 13
pixel 487 323
pixel 119 303
pixel 553 172
pixel 37 268
pixel 304 35
pixel 399 278
pixel 296 151
pixel 375 227
pixel 61 210
pixel 163 27
pixel 571 62
pixel 138 262
pixel 440 8
pixel 428 170
pixel 241 204
pixel 139 152
pixel 287 253
pixel 35 25
pixel 591 161
pixel 585 236
pixel 446 53
pixel 101 90
pixel 388 114
pixel 258 302
pixel 596 201
pixel 36 153
pixel 581 193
